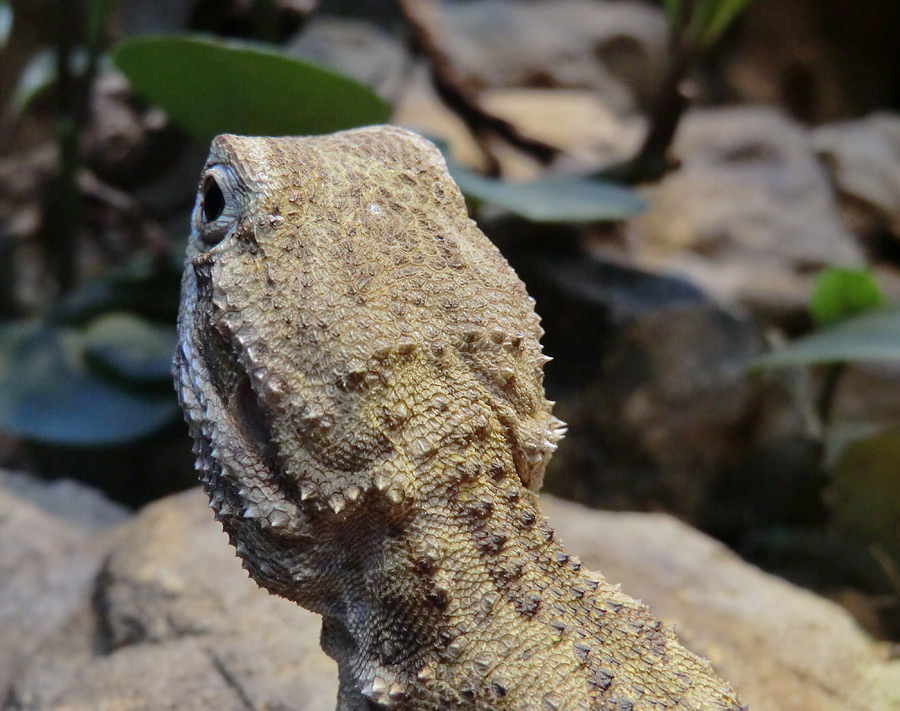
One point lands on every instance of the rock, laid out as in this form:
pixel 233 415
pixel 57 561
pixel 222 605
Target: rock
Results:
pixel 356 49
pixel 575 121
pixel 53 546
pixel 682 428
pixel 616 49
pixel 171 621
pixel 821 61
pixel 180 626
pixel 783 648
pixel 651 377
pixel 749 217
pixel 863 157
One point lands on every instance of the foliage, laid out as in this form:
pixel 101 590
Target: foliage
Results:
pixel 856 325
pixel 561 200
pixel 211 86
pixel 95 370
pixel 864 495
pixel 702 22
pixel 695 25
pixel 871 336
pixel 89 386
pixel 6 22
pixel 840 293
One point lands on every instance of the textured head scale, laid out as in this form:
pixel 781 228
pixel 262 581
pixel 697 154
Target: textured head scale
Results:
pixel 320 269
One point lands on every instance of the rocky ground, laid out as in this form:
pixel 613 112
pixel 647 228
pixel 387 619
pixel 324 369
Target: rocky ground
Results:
pixel 789 163
pixel 105 610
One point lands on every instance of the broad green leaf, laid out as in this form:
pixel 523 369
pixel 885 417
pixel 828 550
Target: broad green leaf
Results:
pixel 573 200
pixel 719 14
pixel 146 285
pixel 673 9
pixel 864 495
pixel 6 22
pixel 211 86
pixel 130 350
pixel 49 393
pixel 874 335
pixel 840 293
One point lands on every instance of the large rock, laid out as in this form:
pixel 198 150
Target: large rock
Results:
pixel 616 49
pixel 863 156
pixel 749 217
pixel 170 621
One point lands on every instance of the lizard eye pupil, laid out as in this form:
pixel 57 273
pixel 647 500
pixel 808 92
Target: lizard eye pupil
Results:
pixel 218 206
pixel 213 201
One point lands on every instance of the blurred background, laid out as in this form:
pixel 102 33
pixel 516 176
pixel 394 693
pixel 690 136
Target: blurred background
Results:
pixel 703 197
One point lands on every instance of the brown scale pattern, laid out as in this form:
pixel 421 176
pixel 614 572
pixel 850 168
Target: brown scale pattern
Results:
pixel 362 375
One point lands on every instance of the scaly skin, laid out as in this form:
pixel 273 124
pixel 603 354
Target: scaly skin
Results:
pixel 362 375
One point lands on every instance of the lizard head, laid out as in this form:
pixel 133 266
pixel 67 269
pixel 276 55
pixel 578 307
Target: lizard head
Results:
pixel 343 323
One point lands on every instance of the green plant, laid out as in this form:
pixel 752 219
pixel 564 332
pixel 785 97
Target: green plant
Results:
pixel 93 368
pixel 854 325
pixel 211 86
pixel 551 200
pixel 695 26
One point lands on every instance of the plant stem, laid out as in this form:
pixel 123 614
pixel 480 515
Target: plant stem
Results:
pixel 825 400
pixel 62 207
pixel 652 161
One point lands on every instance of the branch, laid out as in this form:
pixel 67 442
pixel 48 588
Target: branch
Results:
pixel 459 95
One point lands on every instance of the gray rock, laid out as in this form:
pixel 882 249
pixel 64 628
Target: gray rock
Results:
pixel 783 648
pixel 179 626
pixel 171 621
pixel 615 48
pixel 681 426
pixel 749 217
pixel 863 157
pixel 357 49
pixel 53 545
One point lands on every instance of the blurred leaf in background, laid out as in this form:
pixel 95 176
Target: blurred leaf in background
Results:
pixel 210 86
pixel 6 22
pixel 99 385
pixel 839 294
pixel 703 21
pixel 855 324
pixel 552 200
pixel 864 495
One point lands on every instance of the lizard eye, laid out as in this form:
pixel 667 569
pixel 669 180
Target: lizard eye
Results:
pixel 217 210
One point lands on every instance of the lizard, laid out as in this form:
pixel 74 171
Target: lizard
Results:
pixel 362 376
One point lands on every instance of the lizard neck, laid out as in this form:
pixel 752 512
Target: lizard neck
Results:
pixel 460 590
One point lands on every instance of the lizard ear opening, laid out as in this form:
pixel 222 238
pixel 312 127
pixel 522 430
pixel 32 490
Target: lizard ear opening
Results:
pixel 217 210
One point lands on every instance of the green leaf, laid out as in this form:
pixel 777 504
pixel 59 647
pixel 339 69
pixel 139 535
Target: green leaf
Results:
pixel 673 9
pixel 49 393
pixel 147 285
pixel 864 495
pixel 840 293
pixel 6 22
pixel 872 336
pixel 212 86
pixel 718 16
pixel 130 351
pixel 575 200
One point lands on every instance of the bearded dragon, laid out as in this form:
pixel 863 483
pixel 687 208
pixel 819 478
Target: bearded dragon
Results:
pixel 362 376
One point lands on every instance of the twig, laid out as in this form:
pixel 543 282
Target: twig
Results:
pixel 459 95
